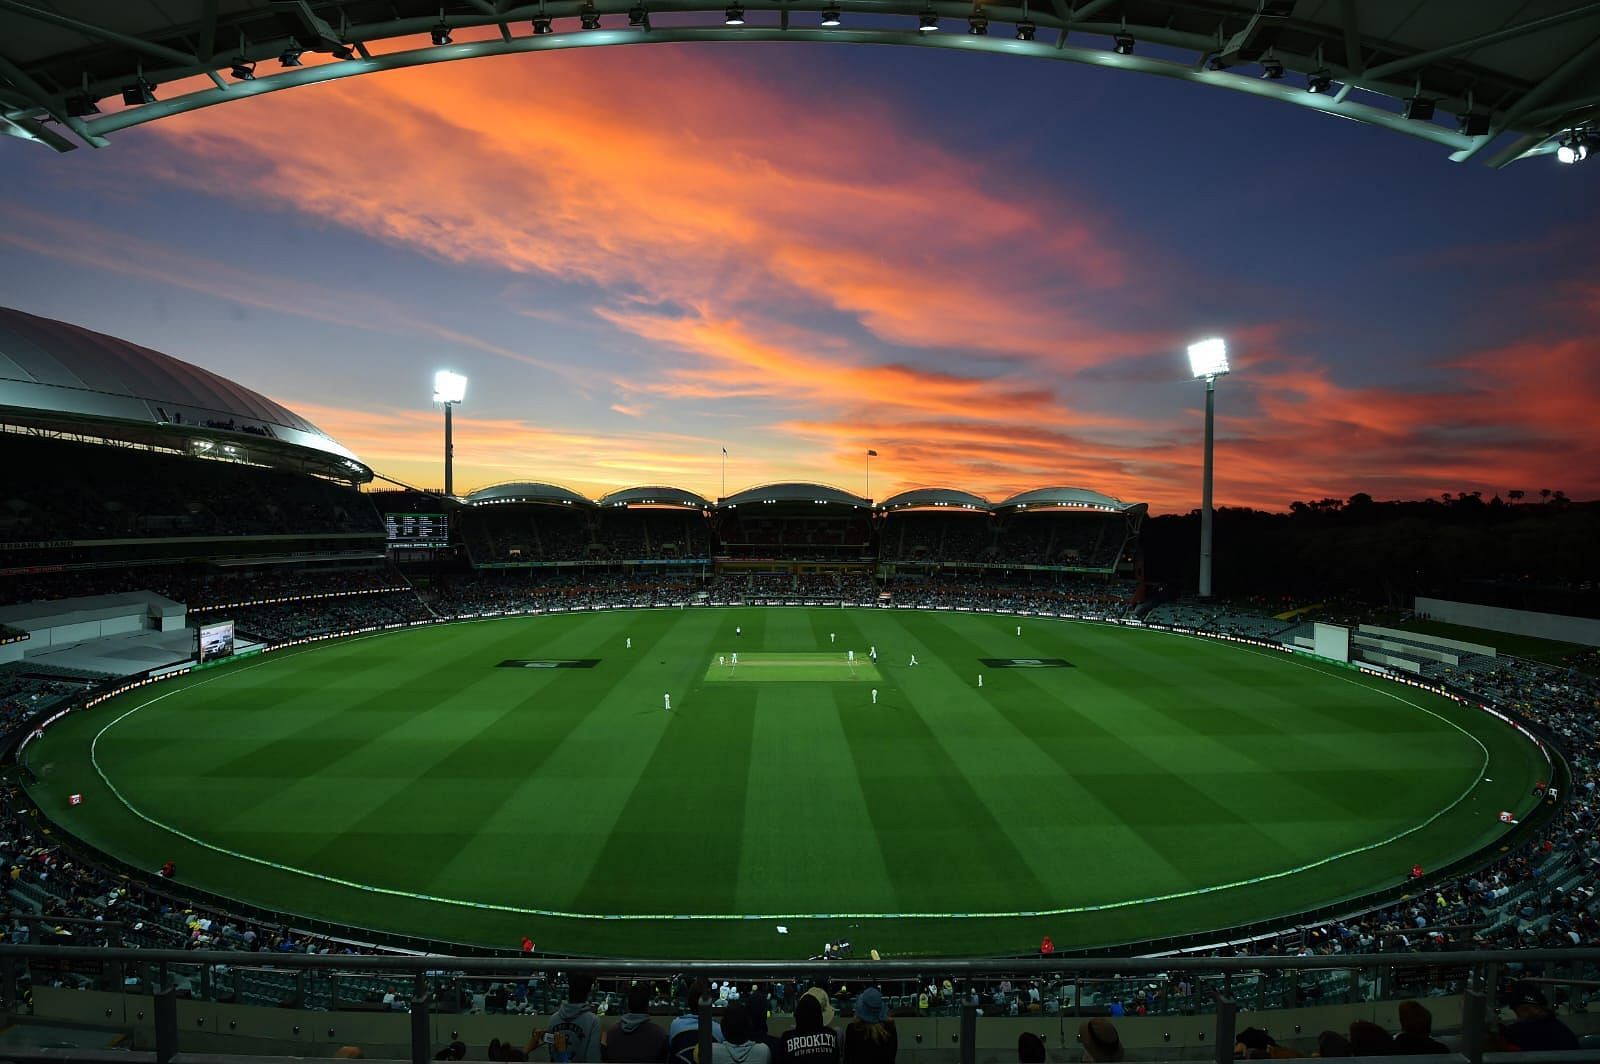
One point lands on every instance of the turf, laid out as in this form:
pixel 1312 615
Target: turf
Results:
pixel 1161 784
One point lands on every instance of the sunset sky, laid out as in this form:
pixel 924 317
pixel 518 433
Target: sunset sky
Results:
pixel 986 269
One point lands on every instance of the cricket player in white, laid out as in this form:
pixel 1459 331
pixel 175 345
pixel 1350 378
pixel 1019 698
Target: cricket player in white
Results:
pixel 1019 629
pixel 630 642
pixel 736 657
pixel 874 696
pixel 831 637
pixel 851 656
pixel 913 659
pixel 666 702
pixel 980 679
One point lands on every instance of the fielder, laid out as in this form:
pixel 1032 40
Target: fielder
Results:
pixel 850 656
pixel 666 702
pixel 630 642
pixel 874 696
pixel 980 679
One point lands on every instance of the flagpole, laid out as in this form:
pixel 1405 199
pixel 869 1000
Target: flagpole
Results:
pixel 724 473
pixel 869 476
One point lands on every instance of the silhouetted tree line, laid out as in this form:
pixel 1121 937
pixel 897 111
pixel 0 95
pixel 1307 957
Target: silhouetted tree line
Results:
pixel 1524 554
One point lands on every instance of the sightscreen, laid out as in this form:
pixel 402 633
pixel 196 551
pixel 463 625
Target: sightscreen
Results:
pixel 216 640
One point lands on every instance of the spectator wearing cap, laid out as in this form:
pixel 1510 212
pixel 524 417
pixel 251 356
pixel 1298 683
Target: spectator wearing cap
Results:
pixel 1537 1027
pixel 1100 1041
pixel 739 1044
pixel 635 1038
pixel 871 1037
pixel 1030 1048
pixel 1416 1031
pixel 811 1040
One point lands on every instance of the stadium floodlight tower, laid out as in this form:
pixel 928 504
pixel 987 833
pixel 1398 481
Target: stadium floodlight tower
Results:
pixel 449 389
pixel 1208 360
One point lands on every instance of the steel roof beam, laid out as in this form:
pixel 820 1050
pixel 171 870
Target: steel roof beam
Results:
pixel 1402 66
pixel 1533 98
pixel 158 51
pixel 52 105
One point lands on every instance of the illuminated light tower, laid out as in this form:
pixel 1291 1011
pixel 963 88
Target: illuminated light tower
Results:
pixel 449 389
pixel 1208 360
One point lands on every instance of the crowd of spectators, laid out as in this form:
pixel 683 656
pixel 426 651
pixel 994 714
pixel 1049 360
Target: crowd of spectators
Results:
pixel 500 534
pixel 52 490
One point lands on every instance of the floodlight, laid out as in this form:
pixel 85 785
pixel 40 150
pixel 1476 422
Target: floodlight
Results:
pixel 1123 43
pixel 139 92
pixel 450 387
pixel 977 25
pixel 290 56
pixel 734 16
pixel 1026 30
pixel 588 19
pixel 1572 150
pixel 1321 82
pixel 638 17
pixel 1473 124
pixel 1272 69
pixel 1208 358
pixel 344 51
pixel 81 105
pixel 830 16
pixel 541 25
pixel 1419 109
pixel 928 23
pixel 242 71
pixel 441 34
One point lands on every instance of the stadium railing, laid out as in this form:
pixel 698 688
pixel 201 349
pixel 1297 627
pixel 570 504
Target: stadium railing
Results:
pixel 1239 986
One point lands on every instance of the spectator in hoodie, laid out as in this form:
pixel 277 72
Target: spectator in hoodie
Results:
pixel 574 1031
pixel 636 1039
pixel 810 1040
pixel 739 1044
pixel 871 1037
pixel 683 1036
pixel 757 1002
pixel 1416 1031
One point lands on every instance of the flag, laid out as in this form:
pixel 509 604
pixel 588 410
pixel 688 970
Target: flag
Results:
pixel 872 454
pixel 724 450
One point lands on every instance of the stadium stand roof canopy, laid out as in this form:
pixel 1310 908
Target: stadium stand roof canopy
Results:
pixel 654 496
pixel 1483 78
pixel 56 377
pixel 527 491
pixel 1067 498
pixel 792 493
pixel 928 498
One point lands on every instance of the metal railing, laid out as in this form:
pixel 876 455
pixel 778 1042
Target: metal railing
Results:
pixel 1232 983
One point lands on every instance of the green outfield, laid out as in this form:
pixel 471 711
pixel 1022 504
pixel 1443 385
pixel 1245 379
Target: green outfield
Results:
pixel 480 781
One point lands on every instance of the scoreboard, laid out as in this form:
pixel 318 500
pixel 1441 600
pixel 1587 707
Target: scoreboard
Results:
pixel 417 530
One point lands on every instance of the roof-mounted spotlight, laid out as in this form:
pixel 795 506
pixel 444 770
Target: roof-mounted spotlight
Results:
pixel 734 16
pixel 1272 69
pixel 1573 149
pixel 140 91
pixel 1473 124
pixel 638 17
pixel 589 19
pixel 1321 82
pixel 928 23
pixel 242 71
pixel 290 56
pixel 81 105
pixel 1123 43
pixel 541 25
pixel 344 50
pixel 1419 109
pixel 830 16
pixel 1026 30
pixel 977 25
pixel 441 34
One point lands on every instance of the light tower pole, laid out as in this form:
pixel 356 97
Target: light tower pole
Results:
pixel 449 389
pixel 1208 360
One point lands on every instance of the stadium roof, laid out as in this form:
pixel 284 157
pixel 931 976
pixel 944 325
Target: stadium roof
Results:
pixel 654 496
pixel 920 498
pixel 794 492
pixel 65 378
pixel 1525 73
pixel 1067 498
pixel 528 491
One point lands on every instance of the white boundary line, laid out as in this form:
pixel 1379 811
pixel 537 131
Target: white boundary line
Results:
pixel 532 911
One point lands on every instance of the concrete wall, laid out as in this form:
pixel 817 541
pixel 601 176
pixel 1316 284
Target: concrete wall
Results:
pixel 1555 626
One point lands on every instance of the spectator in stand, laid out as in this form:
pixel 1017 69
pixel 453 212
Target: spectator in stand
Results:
pixel 574 1027
pixel 1416 1031
pixel 1100 1041
pixel 739 1044
pixel 1332 1044
pixel 683 1035
pixel 871 1037
pixel 636 1038
pixel 811 1040
pixel 1537 1027
pixel 1030 1048
pixel 1367 1039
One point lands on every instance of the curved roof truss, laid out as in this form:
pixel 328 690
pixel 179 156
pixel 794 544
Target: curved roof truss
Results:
pixel 1497 73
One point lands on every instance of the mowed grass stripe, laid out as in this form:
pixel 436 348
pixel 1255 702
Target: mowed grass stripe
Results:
pixel 805 814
